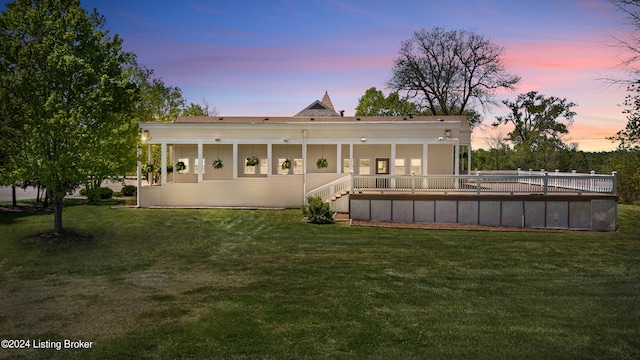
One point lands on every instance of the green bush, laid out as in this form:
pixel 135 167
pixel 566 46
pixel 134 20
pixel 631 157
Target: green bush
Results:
pixel 102 193
pixel 83 192
pixel 129 190
pixel 318 211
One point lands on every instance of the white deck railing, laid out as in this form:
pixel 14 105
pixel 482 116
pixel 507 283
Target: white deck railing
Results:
pixel 327 191
pixel 481 183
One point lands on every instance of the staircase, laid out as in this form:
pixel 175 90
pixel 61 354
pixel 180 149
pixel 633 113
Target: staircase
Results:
pixel 332 191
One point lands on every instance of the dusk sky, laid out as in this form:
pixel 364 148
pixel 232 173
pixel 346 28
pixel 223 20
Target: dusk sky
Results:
pixel 276 57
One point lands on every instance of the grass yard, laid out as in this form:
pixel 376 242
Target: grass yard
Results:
pixel 238 284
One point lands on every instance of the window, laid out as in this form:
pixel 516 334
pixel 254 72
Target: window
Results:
pixel 297 166
pixel 249 169
pixel 416 166
pixel 196 166
pixel 264 166
pixel 346 166
pixel 399 170
pixel 186 164
pixel 365 167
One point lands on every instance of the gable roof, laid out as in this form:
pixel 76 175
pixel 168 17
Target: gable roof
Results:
pixel 318 109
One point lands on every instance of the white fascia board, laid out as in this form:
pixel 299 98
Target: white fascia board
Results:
pixel 272 133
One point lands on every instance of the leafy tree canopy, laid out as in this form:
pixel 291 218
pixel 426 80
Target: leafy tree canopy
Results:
pixel 67 97
pixel 374 103
pixel 539 123
pixel 538 120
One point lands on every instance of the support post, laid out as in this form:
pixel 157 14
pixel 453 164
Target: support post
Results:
pixel 163 163
pixel 139 178
pixel 200 162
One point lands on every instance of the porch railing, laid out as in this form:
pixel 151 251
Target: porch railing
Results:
pixel 327 191
pixel 481 183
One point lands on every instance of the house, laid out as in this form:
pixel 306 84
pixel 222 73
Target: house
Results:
pixel 295 155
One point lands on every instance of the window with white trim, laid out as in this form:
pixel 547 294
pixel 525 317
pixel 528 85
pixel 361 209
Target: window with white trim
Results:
pixel 346 166
pixel 416 166
pixel 264 166
pixel 399 167
pixel 297 166
pixel 365 167
pixel 196 166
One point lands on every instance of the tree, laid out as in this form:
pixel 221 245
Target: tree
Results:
pixel 199 110
pixel 539 124
pixel 374 103
pixel 631 45
pixel 629 137
pixel 62 77
pixel 497 144
pixel 450 72
pixel 157 102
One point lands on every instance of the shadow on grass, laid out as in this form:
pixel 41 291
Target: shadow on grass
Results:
pixel 65 238
pixel 9 214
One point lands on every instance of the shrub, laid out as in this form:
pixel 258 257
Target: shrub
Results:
pixel 83 192
pixel 129 190
pixel 102 193
pixel 318 211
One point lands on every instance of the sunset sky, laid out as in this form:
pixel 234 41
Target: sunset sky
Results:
pixel 276 57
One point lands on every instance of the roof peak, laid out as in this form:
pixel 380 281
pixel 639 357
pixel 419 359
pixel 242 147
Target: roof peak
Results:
pixel 327 100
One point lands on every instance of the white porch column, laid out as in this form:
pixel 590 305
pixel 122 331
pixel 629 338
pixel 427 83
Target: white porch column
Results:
pixel 392 161
pixel 200 162
pixel 163 163
pixel 235 160
pixel 425 159
pixel 305 133
pixel 469 158
pixel 139 181
pixel 351 165
pixel 269 158
pixel 149 160
pixel 171 162
pixel 456 155
pixel 339 167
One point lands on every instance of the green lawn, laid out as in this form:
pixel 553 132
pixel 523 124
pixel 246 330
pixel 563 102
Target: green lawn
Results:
pixel 239 284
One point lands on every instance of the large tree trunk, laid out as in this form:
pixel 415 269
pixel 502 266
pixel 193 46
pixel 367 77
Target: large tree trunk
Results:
pixel 57 214
pixel 14 201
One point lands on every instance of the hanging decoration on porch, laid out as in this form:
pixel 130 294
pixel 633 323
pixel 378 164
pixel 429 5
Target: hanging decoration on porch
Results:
pixel 286 164
pixel 180 166
pixel 252 160
pixel 217 164
pixel 322 162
